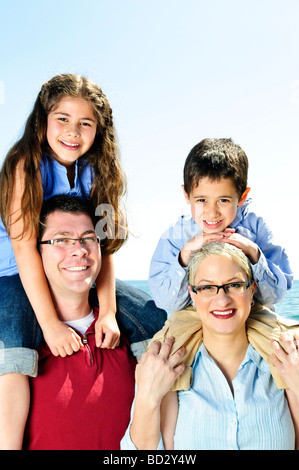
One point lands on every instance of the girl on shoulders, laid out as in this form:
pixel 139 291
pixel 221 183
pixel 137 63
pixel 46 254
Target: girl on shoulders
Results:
pixel 68 147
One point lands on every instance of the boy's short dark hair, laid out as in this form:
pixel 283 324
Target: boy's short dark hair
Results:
pixel 215 159
pixel 64 203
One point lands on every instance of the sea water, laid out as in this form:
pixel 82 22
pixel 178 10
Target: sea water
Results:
pixel 288 307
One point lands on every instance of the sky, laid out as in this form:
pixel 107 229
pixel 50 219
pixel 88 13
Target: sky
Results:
pixel 175 72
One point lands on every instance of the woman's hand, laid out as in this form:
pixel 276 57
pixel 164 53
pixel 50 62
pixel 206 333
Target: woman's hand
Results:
pixel 286 360
pixel 157 371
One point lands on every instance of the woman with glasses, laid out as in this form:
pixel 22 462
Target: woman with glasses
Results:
pixel 233 401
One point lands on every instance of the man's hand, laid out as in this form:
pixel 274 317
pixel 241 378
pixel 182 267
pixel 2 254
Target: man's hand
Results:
pixel 107 331
pixel 61 339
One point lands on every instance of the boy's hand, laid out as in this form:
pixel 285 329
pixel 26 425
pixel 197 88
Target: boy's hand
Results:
pixel 198 241
pixel 247 246
pixel 107 331
pixel 62 340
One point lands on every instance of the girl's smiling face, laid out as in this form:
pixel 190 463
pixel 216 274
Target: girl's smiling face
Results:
pixel 214 204
pixel 71 129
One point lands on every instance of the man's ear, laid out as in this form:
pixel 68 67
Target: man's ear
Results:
pixel 185 194
pixel 243 197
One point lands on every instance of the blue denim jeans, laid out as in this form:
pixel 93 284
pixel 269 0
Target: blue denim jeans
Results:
pixel 137 316
pixel 20 333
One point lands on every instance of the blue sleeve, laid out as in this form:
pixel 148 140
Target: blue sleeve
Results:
pixel 127 444
pixel 168 280
pixel 272 273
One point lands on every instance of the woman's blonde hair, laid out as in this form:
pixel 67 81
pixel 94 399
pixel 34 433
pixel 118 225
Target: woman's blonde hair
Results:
pixel 219 249
pixel 109 183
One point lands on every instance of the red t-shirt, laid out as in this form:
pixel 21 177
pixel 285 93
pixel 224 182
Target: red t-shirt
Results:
pixel 82 401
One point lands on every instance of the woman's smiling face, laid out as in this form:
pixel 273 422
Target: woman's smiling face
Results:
pixel 224 313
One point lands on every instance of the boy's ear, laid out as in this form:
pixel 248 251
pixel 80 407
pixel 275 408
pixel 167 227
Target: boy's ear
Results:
pixel 243 197
pixel 185 194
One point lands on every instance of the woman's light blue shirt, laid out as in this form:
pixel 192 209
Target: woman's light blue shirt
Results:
pixel 255 417
pixel 54 182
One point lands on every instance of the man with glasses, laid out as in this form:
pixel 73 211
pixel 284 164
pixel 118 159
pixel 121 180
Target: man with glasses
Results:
pixel 81 400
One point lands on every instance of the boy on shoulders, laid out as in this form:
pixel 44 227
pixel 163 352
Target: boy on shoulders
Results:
pixel 215 186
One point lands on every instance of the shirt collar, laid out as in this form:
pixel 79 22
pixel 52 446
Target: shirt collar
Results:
pixel 81 161
pixel 254 356
pixel 251 355
pixel 241 213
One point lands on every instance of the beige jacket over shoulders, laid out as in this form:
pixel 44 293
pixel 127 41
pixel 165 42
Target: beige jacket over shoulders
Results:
pixel 263 326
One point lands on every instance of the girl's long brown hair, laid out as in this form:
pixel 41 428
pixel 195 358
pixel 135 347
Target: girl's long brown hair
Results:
pixel 109 184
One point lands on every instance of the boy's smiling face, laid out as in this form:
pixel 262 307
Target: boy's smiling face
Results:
pixel 214 203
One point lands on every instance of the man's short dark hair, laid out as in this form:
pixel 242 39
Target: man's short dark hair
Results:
pixel 64 203
pixel 215 159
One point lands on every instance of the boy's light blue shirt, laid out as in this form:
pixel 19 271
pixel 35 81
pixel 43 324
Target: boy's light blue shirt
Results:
pixel 168 280
pixel 255 417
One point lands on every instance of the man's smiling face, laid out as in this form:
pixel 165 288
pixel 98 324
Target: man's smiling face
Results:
pixel 73 269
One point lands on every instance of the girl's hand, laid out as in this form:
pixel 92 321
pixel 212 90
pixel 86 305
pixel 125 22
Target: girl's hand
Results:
pixel 107 331
pixel 286 360
pixel 61 339
pixel 157 371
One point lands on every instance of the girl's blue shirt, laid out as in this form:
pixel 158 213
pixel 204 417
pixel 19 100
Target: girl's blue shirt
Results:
pixel 54 182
